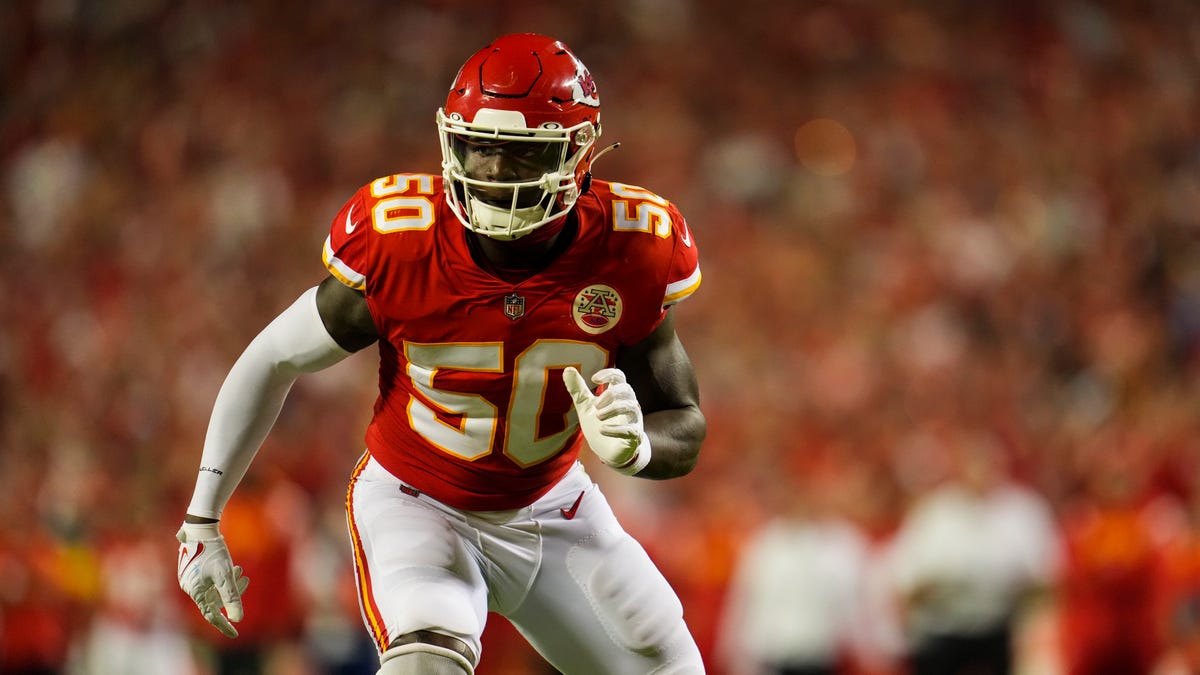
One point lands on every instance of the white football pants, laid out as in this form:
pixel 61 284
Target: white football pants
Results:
pixel 579 588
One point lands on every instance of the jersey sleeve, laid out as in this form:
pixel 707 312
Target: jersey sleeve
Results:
pixel 683 273
pixel 345 251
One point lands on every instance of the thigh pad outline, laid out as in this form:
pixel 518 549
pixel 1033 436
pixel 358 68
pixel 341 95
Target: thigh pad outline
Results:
pixel 634 602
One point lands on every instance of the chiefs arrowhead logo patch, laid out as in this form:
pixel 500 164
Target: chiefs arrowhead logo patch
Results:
pixel 597 308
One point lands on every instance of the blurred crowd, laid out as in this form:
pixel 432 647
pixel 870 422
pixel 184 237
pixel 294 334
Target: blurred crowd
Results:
pixel 948 338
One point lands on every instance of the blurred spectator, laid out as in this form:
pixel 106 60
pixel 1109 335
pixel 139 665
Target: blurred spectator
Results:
pixel 795 598
pixel 969 557
pixel 36 619
pixel 1179 585
pixel 1109 612
pixel 262 523
pixel 332 631
pixel 133 631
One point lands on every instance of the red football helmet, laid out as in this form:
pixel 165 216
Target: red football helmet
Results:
pixel 526 96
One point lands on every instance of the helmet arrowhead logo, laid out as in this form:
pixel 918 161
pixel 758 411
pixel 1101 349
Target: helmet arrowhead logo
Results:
pixel 583 89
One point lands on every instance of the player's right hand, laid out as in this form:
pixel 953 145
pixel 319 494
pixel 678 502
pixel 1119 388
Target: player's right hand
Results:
pixel 207 574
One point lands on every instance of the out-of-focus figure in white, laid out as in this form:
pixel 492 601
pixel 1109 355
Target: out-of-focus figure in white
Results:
pixel 797 590
pixel 969 556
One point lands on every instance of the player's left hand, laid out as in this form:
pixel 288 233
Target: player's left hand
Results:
pixel 207 574
pixel 611 421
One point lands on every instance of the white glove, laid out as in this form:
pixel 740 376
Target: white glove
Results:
pixel 612 421
pixel 207 574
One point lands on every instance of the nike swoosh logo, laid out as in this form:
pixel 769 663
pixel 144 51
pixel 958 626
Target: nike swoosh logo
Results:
pixel 569 514
pixel 183 565
pixel 685 235
pixel 350 225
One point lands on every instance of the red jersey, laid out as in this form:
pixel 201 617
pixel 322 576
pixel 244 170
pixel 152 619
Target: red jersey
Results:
pixel 472 409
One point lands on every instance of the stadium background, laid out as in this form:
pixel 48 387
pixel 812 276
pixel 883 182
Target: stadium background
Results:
pixel 918 222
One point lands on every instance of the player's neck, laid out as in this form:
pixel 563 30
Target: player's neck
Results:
pixel 515 261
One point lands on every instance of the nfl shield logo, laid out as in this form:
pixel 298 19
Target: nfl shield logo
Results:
pixel 514 306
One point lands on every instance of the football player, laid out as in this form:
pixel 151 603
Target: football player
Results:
pixel 521 310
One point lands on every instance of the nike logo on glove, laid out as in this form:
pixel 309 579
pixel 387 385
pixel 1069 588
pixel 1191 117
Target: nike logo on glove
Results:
pixel 349 225
pixel 199 549
pixel 569 514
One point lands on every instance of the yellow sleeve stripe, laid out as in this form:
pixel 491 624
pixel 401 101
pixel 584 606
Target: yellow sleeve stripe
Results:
pixel 341 270
pixel 681 289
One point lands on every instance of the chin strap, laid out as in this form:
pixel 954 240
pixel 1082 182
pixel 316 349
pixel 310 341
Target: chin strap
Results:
pixel 587 177
pixel 491 220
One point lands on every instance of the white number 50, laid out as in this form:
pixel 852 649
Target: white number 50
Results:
pixel 475 433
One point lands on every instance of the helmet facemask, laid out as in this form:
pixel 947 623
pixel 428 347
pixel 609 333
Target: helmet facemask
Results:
pixel 541 184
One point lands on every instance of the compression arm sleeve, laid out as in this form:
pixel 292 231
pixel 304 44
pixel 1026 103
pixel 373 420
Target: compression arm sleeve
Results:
pixel 249 401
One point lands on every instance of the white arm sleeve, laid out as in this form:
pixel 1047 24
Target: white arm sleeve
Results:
pixel 249 401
